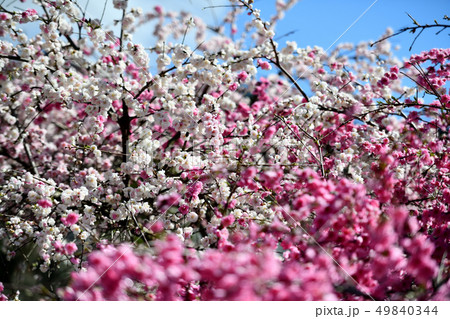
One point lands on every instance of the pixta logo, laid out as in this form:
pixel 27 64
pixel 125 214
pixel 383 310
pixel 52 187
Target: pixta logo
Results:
pixel 337 311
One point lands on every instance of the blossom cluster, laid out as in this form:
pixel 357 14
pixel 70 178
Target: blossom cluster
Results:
pixel 241 273
pixel 208 181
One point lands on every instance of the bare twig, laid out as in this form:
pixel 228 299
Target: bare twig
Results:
pixel 417 27
pixel 30 158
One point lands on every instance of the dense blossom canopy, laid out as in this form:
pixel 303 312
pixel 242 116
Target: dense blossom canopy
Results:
pixel 325 178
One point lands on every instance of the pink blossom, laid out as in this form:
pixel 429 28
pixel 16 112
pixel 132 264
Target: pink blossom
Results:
pixel 157 226
pixel 227 220
pixel 264 64
pixel 233 87
pixel 58 246
pixel 29 12
pixel 165 202
pixel 72 218
pixel 45 203
pixel 242 76
pixel 158 9
pixel 183 209
pixel 2 296
pixel 70 248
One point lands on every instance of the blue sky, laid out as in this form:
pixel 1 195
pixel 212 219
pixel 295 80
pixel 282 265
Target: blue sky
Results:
pixel 316 22
pixel 321 22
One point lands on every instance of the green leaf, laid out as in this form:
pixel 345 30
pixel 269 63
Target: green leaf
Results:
pixel 134 184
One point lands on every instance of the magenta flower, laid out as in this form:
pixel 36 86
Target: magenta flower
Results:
pixel 70 248
pixel 72 218
pixel 45 203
